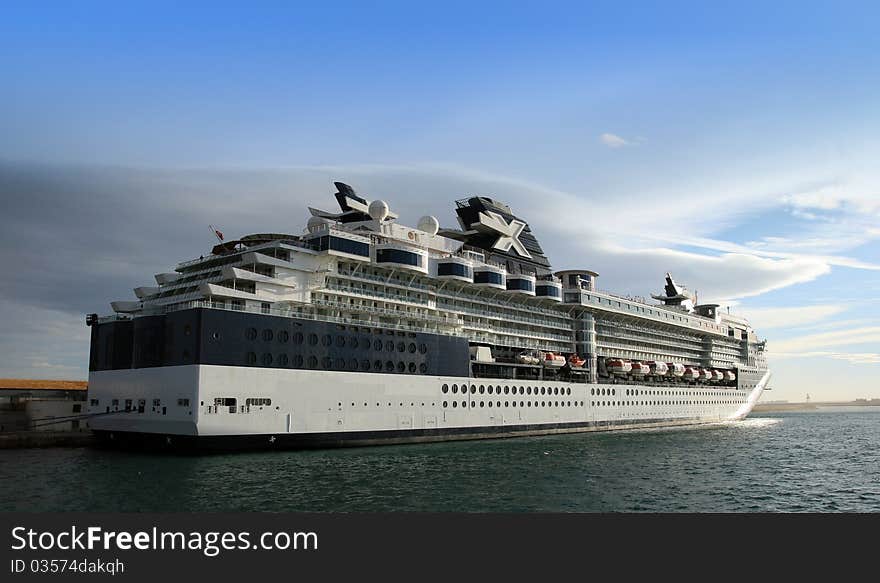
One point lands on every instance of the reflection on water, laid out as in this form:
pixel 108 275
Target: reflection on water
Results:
pixel 799 461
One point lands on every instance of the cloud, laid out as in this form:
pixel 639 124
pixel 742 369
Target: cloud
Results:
pixel 789 317
pixel 613 141
pixel 850 357
pixel 813 342
pixel 81 237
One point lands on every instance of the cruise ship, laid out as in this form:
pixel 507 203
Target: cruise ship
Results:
pixel 360 330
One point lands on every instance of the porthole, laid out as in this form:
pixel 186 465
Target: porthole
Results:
pixel 482 389
pixel 522 391
pixel 326 363
pixel 592 391
pixel 377 365
pixel 473 389
pixel 298 338
pixel 445 404
pixel 268 335
pixel 423 368
pixel 401 366
pixel 454 388
pixel 250 333
pixel 282 359
pixel 377 345
pixel 353 364
pixel 251 358
pixel 327 340
pixel 389 346
pixel 313 361
pixel 401 346
pixel 340 341
pixel 313 339
pixel 298 360
pixel 482 404
pixel 506 391
pixel 267 359
pixel 454 404
pixel 365 364
pixel 412 367
pixel 490 404
pixel 187 330
pixel 340 364
pixel 490 389
pixel 412 347
pixel 423 348
pixel 389 366
pixel 528 390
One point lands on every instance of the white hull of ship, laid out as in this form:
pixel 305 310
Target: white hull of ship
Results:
pixel 319 408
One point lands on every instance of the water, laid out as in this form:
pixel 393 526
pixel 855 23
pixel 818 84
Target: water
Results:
pixel 816 461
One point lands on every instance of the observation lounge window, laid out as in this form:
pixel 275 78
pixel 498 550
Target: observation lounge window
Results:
pixel 458 269
pixel 398 256
pixel 547 290
pixel 343 245
pixel 488 277
pixel 520 284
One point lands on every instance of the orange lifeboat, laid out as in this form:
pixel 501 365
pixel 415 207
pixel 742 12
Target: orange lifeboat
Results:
pixel 618 366
pixel 706 374
pixel 676 369
pixel 717 375
pixel 639 369
pixel 658 368
pixel 730 375
pixel 553 360
pixel 575 360
pixel 691 373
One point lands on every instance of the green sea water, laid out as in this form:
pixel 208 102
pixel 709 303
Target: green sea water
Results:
pixel 813 461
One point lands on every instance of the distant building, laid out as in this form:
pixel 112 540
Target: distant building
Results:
pixel 42 405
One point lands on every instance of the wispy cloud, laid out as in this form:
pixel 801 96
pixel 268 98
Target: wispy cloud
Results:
pixel 789 317
pixel 813 342
pixel 613 141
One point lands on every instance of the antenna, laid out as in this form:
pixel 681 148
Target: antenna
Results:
pixel 216 233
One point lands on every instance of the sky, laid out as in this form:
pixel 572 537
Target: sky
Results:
pixel 735 146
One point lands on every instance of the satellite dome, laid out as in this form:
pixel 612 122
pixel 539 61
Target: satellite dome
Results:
pixel 378 210
pixel 316 223
pixel 429 224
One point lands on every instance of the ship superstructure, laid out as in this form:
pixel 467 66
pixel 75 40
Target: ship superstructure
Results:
pixel 363 330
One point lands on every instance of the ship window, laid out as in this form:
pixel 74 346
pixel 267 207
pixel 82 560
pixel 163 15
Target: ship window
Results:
pixel 267 359
pixel 412 347
pixel 490 277
pixel 423 368
pixel 389 366
pixel 401 347
pixel 389 345
pixel 423 348
pixel 251 358
pixel 282 359
pixel 547 290
pixel 454 404
pixel 398 256
pixel 251 333
pixel 298 338
pixel 412 367
pixel 267 335
pixel 520 284
pixel 455 269
pixel 445 403
pixel 283 336
pixel 445 388
pixel 473 389
pixel 313 339
pixel 313 361
pixel 454 388
pixel 327 340
pixel 401 366
pixel 326 362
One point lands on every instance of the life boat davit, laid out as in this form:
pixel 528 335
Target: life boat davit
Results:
pixel 676 369
pixel 618 366
pixel 717 375
pixel 553 360
pixel 639 369
pixel 706 374
pixel 691 373
pixel 730 375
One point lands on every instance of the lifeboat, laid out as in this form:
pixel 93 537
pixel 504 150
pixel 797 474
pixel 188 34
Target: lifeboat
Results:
pixel 553 360
pixel 639 369
pixel 717 375
pixel 730 375
pixel 528 357
pixel 676 369
pixel 706 374
pixel 691 373
pixel 658 368
pixel 575 360
pixel 618 366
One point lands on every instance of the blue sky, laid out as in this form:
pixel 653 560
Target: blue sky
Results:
pixel 734 145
